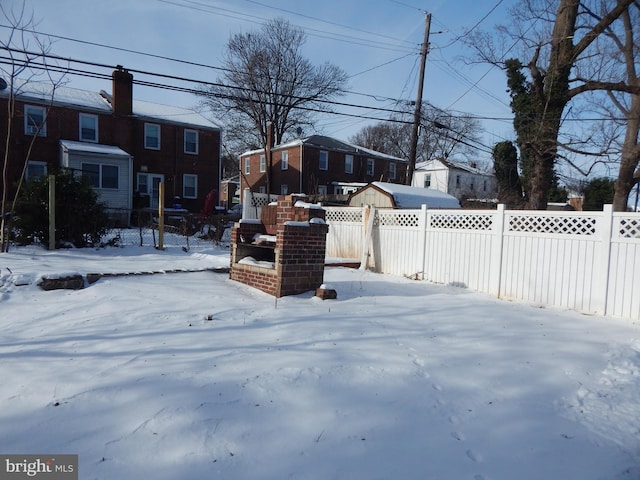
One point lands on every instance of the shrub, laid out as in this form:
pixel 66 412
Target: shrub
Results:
pixel 81 219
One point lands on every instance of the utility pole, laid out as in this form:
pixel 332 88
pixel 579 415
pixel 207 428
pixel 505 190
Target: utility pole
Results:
pixel 416 115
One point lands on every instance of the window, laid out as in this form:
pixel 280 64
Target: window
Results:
pixel 427 180
pixel 263 164
pixel 370 164
pixel 262 189
pixel 88 127
pixel 322 189
pixel 191 142
pixel 189 186
pixel 392 170
pixel 472 186
pixel 34 118
pixel 484 186
pixel 35 170
pixel 348 164
pixel 101 176
pixel 457 181
pixel 284 189
pixel 247 166
pixel 284 161
pixel 151 136
pixel 324 160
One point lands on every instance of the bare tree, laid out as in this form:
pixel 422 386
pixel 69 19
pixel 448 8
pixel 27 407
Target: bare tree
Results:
pixel 23 66
pixel 268 88
pixel 562 38
pixel 628 51
pixel 442 135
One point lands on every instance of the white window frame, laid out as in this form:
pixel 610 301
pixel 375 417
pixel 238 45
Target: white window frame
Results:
pixel 322 190
pixel 262 189
pixel 370 167
pixel 284 161
pixel 323 160
pixel 195 143
pixel 189 177
pixel 284 189
pixel 30 126
pixel 348 164
pixel 247 165
pixel 427 180
pixel 147 134
pixel 263 163
pixel 88 117
pixel 28 174
pixel 101 176
pixel 392 170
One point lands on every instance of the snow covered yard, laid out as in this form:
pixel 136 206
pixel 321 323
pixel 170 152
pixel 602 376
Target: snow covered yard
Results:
pixel 189 376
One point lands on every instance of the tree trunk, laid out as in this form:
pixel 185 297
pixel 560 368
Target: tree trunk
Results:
pixel 630 158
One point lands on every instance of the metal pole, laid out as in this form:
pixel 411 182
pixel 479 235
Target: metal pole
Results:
pixel 416 115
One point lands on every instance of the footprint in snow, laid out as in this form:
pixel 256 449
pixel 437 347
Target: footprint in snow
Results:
pixel 458 436
pixel 475 456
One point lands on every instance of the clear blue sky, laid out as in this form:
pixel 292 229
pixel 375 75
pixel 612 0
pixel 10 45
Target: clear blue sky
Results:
pixel 375 41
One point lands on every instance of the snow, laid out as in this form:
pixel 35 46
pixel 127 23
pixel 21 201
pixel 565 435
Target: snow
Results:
pixel 413 197
pixel 192 375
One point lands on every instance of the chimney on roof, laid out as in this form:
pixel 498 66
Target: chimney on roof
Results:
pixel 122 92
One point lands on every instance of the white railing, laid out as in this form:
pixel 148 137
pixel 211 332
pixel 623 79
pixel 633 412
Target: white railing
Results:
pixel 585 261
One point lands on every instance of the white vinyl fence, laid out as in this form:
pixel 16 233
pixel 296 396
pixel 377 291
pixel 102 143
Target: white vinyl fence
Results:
pixel 584 261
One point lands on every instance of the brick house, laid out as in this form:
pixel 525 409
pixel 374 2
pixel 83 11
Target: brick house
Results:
pixel 125 147
pixel 318 165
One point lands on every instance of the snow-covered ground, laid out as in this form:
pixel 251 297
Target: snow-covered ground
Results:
pixel 194 376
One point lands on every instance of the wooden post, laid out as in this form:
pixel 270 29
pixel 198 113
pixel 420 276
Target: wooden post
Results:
pixel 367 220
pixel 52 212
pixel 161 216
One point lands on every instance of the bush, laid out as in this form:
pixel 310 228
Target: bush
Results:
pixel 81 219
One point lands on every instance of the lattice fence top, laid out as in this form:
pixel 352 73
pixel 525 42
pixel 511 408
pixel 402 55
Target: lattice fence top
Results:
pixel 397 218
pixel 629 227
pixel 343 215
pixel 461 221
pixel 261 200
pixel 554 224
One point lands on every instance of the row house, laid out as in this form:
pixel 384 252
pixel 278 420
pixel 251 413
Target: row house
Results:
pixel 124 147
pixel 318 165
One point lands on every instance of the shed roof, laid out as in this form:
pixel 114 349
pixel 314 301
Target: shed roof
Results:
pixel 405 196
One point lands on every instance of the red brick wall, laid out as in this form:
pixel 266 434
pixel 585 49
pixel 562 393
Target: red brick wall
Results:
pixel 299 251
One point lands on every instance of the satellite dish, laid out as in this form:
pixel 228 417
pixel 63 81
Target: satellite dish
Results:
pixel 3 84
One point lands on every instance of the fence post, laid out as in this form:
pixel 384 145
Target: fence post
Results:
pixel 368 216
pixel 601 284
pixel 422 224
pixel 52 212
pixel 495 273
pixel 161 216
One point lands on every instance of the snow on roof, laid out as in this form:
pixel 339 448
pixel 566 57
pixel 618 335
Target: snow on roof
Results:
pixel 451 164
pixel 405 196
pixel 94 148
pixel 41 92
pixel 171 114
pixel 330 143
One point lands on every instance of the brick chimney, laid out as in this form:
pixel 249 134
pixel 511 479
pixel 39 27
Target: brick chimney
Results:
pixel 122 92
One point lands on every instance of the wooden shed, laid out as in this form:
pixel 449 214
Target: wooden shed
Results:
pixel 392 195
